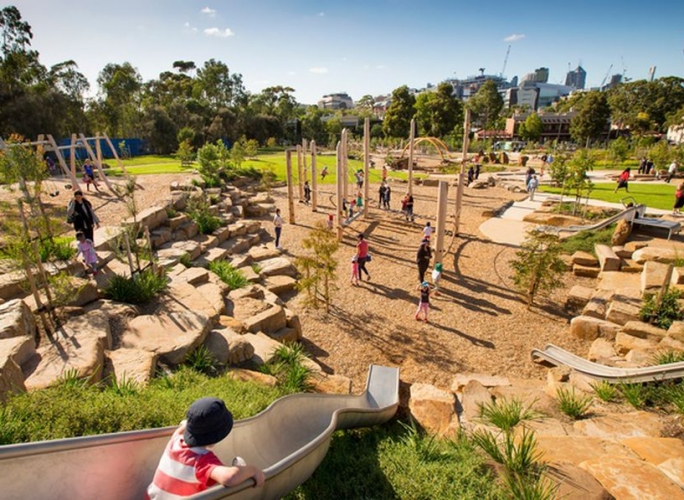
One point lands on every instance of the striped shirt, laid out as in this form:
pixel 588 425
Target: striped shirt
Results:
pixel 182 471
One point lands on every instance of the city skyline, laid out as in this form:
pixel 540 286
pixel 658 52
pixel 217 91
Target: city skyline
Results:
pixel 361 48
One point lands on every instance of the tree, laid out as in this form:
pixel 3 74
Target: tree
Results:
pixel 592 118
pixel 438 113
pixel 397 121
pixel 366 102
pixel 185 153
pixel 531 128
pixel 486 104
pixel 619 150
pixel 319 266
pixel 538 267
pixel 120 86
pixel 218 86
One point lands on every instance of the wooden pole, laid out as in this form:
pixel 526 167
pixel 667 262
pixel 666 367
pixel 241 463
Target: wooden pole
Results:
pixel 62 163
pixel 314 178
pixel 412 137
pixel 461 176
pixel 116 156
pixel 300 182
pixel 72 156
pixel 305 171
pixel 366 165
pixel 290 194
pixel 340 189
pixel 128 252
pixel 442 200
pixel 98 164
pixel 345 168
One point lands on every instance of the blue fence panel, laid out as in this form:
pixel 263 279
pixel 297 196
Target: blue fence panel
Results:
pixel 134 147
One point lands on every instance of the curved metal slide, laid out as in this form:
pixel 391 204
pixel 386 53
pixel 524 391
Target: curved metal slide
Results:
pixel 288 440
pixel 629 214
pixel 558 356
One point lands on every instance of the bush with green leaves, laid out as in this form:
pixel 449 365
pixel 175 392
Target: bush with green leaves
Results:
pixel 199 210
pixel 573 404
pixel 665 357
pixel 635 394
pixel 139 289
pixel 586 241
pixel 506 413
pixel 201 360
pixel 57 248
pixel 289 368
pixel 228 274
pixel 186 260
pixel 538 267
pixel 664 311
pixel 605 391
pixel 213 162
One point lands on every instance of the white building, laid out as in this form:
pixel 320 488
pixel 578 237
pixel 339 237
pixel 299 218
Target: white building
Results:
pixel 340 100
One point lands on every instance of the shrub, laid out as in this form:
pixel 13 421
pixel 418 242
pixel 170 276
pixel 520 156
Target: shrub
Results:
pixel 572 404
pixel 634 394
pixel 519 455
pixel 585 241
pixel 139 289
pixel 505 414
pixel 201 360
pixel 186 260
pixel 661 313
pixel 538 267
pixel 667 357
pixel 605 391
pixel 199 211
pixel 58 248
pixel 171 212
pixel 228 274
pixel 288 367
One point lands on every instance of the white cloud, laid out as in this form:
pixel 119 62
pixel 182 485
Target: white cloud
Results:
pixel 188 28
pixel 208 12
pixel 514 37
pixel 321 14
pixel 318 70
pixel 218 32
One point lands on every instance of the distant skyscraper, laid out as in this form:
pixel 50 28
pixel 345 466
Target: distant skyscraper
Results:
pixel 540 75
pixel 576 78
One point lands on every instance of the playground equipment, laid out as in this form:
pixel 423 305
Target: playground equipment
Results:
pixel 288 440
pixel 49 145
pixel 558 356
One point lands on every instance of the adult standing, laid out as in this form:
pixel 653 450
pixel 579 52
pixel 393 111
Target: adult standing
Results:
pixel 388 194
pixel 381 194
pixel 532 186
pixel 80 213
pixel 409 208
pixel 423 258
pixel 362 256
pixel 278 226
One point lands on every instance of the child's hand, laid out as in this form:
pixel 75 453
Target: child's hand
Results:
pixel 259 478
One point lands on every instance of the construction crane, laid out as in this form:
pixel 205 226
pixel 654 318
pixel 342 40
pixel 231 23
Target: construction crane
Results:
pixel 503 70
pixel 606 77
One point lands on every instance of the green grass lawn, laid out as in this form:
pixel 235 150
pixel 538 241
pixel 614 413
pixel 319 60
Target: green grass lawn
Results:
pixel 651 194
pixel 154 164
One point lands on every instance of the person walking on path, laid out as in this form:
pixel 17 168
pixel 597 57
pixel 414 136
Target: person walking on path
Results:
pixel 80 213
pixel 623 180
pixel 354 270
pixel 278 225
pixel 671 171
pixel 362 256
pixel 679 199
pixel 532 186
pixel 424 303
pixel 642 166
pixel 359 179
pixel 423 257
pixel 324 172
pixel 381 194
pixel 384 173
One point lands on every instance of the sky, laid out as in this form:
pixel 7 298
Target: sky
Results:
pixel 362 47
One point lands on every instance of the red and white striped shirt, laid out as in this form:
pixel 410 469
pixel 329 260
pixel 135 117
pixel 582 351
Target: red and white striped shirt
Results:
pixel 182 471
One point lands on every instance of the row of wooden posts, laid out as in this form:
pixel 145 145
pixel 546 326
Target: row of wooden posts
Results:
pixel 342 190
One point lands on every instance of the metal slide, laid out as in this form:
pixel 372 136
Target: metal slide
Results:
pixel 630 213
pixel 557 356
pixel 289 439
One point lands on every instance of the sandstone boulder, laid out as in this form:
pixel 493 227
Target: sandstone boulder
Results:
pixel 170 336
pixel 294 323
pixel 78 347
pixel 228 347
pixel 614 280
pixel 653 276
pixel 620 312
pixel 20 349
pixel 182 297
pixel 585 271
pixel 193 276
pixel 654 254
pixel 473 396
pixel 232 323
pixel 16 320
pixel 578 449
pixel 434 409
pixel 621 425
pixel 461 380
pixel 277 267
pixel 622 231
pixel 607 258
pixel 625 343
pixel 631 479
pixel 280 284
pixel 676 331
pixel 11 378
pixel 589 328
pixel 575 483
pixel 252 376
pixel 578 297
pixel 665 453
pixel 598 304
pixel 644 331
pixel 264 347
pixel 135 365
pixel 601 349
pixel 584 259
pixel 11 284
pixel 330 384
pixel 259 316
pixel 263 252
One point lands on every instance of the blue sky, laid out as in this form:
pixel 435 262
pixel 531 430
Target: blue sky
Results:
pixel 362 47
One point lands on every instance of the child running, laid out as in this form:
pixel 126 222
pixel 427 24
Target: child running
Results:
pixel 424 304
pixel 436 277
pixel 188 466
pixel 679 199
pixel 86 248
